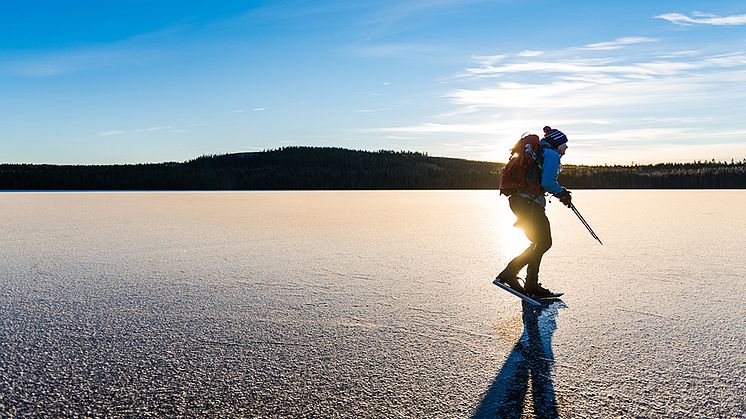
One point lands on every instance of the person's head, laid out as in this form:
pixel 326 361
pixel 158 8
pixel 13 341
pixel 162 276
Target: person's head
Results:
pixel 557 139
pixel 562 149
pixel 547 130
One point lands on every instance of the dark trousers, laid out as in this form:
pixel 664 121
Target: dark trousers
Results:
pixel 535 224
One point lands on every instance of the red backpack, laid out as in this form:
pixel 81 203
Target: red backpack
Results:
pixel 522 173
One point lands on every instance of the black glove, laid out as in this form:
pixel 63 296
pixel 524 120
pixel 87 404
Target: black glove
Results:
pixel 565 197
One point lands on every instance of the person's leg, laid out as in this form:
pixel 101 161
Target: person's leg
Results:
pixel 518 263
pixel 541 236
pixel 522 209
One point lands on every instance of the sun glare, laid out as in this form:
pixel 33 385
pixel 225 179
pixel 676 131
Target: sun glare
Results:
pixel 513 241
pixel 509 240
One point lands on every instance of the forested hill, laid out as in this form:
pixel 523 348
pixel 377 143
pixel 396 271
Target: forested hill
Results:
pixel 336 168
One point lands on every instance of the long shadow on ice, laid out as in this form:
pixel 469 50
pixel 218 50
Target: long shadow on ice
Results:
pixel 530 361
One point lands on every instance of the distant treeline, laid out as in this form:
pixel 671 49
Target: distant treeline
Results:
pixel 294 168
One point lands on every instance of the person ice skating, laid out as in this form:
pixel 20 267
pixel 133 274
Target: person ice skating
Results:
pixel 528 208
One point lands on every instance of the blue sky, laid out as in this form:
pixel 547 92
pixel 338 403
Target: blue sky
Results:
pixel 103 81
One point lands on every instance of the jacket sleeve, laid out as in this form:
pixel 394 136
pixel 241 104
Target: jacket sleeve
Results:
pixel 549 172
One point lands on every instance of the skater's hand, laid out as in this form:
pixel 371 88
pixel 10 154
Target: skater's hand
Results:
pixel 565 197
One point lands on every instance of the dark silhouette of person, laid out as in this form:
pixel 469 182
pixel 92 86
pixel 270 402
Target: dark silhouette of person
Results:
pixel 529 210
pixel 530 361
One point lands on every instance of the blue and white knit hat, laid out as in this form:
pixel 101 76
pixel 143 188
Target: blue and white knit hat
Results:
pixel 555 137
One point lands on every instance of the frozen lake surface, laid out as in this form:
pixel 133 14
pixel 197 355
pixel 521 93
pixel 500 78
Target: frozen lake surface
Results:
pixel 368 304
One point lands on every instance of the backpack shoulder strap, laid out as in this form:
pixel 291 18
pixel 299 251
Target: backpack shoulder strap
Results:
pixel 540 156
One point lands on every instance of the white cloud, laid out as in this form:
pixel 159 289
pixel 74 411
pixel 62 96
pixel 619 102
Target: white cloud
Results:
pixel 655 153
pixel 430 128
pixel 584 67
pixel 259 109
pixel 139 130
pixel 530 53
pixel 372 110
pixel 600 101
pixel 151 129
pixel 488 59
pixel 514 95
pixel 635 135
pixel 615 106
pixel 110 133
pixel 672 119
pixel 617 43
pixel 703 19
pixel 685 53
pixel 511 128
pixel 399 137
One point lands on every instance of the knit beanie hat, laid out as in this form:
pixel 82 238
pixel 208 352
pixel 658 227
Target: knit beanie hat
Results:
pixel 556 138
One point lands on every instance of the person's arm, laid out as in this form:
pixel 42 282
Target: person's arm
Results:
pixel 549 172
pixel 549 177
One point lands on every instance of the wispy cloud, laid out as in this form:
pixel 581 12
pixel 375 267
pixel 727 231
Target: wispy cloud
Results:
pixel 430 128
pixel 677 54
pixel 140 130
pixel 249 110
pixel 514 95
pixel 373 110
pixel 666 86
pixel 603 98
pixel 699 18
pixel 530 53
pixel 612 66
pixel 399 137
pixel 488 59
pixel 617 43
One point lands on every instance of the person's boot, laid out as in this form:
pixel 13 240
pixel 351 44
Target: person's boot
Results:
pixel 511 281
pixel 535 290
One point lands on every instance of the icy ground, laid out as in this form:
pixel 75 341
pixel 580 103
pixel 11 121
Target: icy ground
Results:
pixel 373 304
